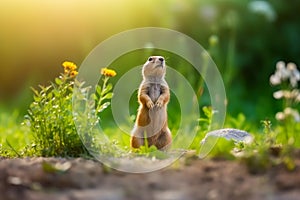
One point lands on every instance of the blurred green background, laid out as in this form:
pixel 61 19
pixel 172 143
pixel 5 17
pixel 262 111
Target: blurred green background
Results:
pixel 245 38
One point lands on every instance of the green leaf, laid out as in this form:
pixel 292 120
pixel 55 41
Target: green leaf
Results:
pixel 58 81
pixel 36 98
pixel 207 111
pixel 107 96
pixel 50 95
pixel 107 89
pixel 94 96
pixel 103 107
pixel 98 90
pixel 35 91
pixel 203 120
pixel 45 89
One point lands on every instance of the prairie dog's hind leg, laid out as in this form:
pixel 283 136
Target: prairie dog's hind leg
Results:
pixel 137 137
pixel 164 141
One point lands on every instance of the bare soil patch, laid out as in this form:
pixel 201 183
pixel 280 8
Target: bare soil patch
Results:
pixel 32 178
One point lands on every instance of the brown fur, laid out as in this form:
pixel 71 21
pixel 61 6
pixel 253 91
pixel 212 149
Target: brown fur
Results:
pixel 153 96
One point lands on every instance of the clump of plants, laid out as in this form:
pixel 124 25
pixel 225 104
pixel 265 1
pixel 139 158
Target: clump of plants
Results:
pixel 286 77
pixel 272 146
pixel 50 116
pixel 258 155
pixel 277 146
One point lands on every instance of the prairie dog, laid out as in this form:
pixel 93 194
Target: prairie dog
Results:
pixel 153 97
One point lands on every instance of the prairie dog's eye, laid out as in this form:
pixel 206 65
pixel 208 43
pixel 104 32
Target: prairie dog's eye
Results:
pixel 161 59
pixel 150 59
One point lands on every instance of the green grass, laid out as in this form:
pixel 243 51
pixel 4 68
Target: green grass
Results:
pixel 49 130
pixel 15 137
pixel 269 148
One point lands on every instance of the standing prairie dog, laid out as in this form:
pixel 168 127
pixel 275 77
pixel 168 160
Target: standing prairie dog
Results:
pixel 153 97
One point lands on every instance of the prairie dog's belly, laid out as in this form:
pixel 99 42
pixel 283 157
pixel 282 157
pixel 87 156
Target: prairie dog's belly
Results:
pixel 154 91
pixel 157 116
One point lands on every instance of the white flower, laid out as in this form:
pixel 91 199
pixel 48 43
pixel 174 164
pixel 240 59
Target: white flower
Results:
pixel 280 65
pixel 278 94
pixel 285 72
pixel 280 116
pixel 294 74
pixel 288 112
pixel 281 71
pixel 287 94
pixel 293 113
pixel 295 94
pixel 275 80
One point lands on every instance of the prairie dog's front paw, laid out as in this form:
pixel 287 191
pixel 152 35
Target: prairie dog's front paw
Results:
pixel 159 103
pixel 150 104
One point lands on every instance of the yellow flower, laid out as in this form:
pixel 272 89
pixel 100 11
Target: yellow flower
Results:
pixel 69 66
pixel 108 72
pixel 73 73
pixel 70 69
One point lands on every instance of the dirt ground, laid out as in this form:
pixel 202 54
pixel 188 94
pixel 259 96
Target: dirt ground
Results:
pixel 64 179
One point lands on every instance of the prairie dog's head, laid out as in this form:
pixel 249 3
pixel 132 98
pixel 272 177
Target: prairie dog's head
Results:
pixel 154 68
